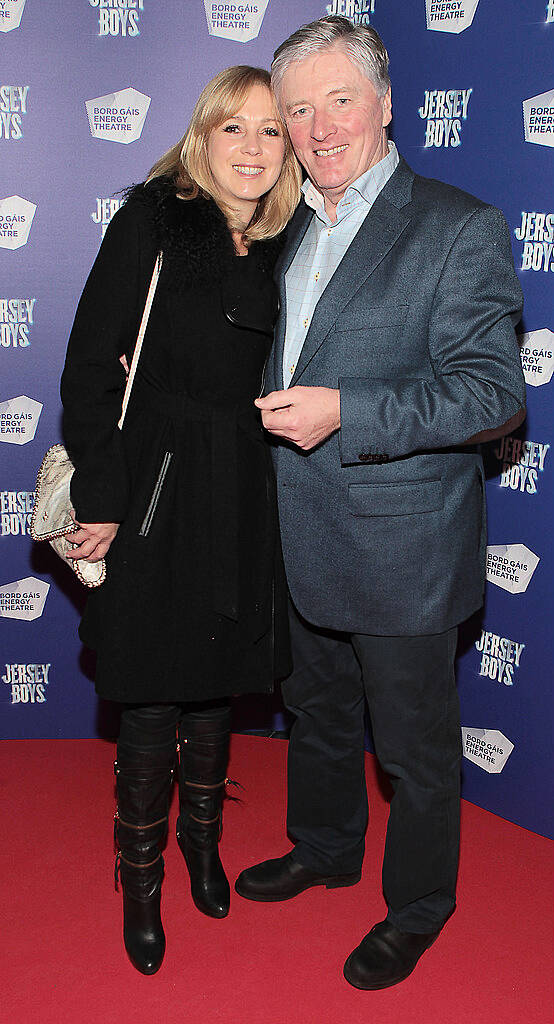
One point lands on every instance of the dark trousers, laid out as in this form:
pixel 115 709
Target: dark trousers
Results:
pixel 409 686
pixel 152 726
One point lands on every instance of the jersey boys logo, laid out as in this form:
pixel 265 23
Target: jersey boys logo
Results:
pixel 500 657
pixel 105 209
pixel 444 112
pixel 27 683
pixel 511 566
pixel 537 356
pixel 538 118
pixel 450 15
pixel 521 463
pixel 118 17
pixel 16 217
pixel 15 512
pixel 16 317
pixel 536 231
pixel 13 107
pixel 488 748
pixel 19 419
pixel 10 14
pixel 23 599
pixel 239 21
pixel 118 116
pixel 357 11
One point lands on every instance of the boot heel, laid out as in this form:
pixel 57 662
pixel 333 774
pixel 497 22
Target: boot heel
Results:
pixel 342 881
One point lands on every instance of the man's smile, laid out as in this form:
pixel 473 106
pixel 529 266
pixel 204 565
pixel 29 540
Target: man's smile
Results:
pixel 330 152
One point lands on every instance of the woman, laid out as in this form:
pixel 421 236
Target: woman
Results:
pixel 181 501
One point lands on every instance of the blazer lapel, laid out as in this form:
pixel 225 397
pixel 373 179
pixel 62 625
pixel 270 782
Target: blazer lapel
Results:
pixel 296 231
pixel 379 231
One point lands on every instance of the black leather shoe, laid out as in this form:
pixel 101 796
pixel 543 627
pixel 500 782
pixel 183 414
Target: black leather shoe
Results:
pixel 385 956
pixel 283 878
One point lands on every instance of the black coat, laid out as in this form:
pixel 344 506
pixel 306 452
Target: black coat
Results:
pixel 194 602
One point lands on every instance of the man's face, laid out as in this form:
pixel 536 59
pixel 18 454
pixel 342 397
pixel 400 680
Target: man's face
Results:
pixel 335 119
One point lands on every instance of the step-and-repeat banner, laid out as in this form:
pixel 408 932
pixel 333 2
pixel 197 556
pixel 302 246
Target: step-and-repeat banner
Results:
pixel 91 93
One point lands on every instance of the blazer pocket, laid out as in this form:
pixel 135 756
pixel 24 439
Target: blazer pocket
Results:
pixel 395 499
pixel 353 319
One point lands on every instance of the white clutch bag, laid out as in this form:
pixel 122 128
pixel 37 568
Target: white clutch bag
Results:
pixel 51 519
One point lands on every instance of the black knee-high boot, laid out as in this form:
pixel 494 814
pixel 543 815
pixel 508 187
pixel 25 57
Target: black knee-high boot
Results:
pixel 204 753
pixel 143 779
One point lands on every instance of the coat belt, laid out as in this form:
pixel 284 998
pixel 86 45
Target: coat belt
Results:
pixel 225 421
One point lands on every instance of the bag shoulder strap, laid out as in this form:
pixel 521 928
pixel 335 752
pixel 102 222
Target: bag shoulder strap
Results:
pixel 140 336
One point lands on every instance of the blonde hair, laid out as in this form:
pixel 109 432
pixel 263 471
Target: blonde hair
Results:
pixel 186 164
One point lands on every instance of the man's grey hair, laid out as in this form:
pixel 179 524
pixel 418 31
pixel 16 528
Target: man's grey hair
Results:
pixel 360 43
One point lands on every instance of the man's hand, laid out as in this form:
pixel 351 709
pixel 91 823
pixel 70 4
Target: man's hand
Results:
pixel 304 415
pixel 93 539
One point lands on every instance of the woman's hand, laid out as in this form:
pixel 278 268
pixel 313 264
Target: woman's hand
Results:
pixel 93 539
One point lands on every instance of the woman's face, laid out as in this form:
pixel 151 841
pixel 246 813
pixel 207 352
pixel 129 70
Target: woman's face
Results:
pixel 246 152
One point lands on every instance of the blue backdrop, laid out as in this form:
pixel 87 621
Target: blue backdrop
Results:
pixel 91 93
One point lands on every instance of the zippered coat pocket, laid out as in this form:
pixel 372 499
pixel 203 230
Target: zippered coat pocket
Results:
pixel 156 494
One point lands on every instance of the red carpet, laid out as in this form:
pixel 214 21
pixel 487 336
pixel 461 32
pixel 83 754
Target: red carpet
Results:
pixel 63 959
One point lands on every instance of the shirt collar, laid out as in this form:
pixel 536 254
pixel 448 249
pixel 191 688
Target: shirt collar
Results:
pixel 367 186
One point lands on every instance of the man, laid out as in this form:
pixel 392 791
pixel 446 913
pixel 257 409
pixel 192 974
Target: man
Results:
pixel 395 353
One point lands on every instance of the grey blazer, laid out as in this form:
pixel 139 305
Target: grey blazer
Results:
pixel 383 524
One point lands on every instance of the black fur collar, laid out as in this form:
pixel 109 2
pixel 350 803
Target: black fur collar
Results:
pixel 193 234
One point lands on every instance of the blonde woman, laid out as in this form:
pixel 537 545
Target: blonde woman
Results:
pixel 181 502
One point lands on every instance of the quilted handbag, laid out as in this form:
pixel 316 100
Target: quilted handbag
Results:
pixel 52 517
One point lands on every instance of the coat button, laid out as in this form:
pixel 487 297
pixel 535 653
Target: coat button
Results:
pixel 373 457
